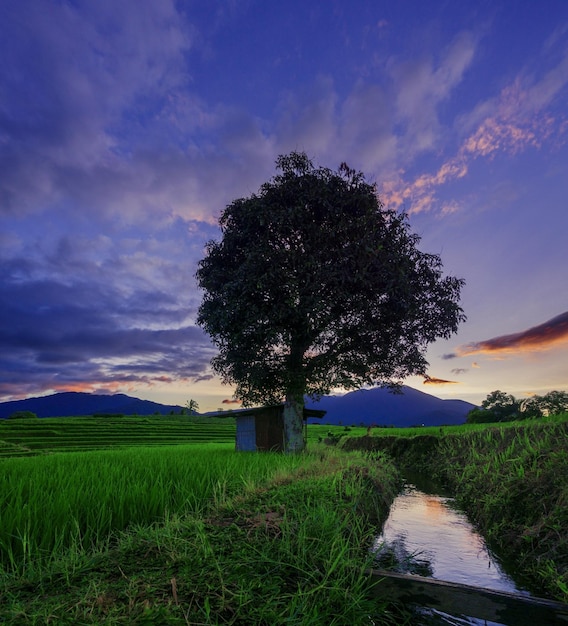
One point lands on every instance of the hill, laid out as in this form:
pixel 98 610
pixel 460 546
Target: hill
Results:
pixel 381 407
pixel 368 406
pixel 75 403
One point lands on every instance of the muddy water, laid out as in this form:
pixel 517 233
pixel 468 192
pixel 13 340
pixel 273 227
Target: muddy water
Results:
pixel 426 534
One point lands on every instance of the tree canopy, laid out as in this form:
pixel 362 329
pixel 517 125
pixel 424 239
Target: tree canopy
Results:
pixel 552 403
pixel 315 285
pixel 503 407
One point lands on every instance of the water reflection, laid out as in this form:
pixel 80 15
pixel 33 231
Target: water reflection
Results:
pixel 425 534
pixel 426 531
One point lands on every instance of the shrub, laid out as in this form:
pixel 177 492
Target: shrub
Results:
pixel 23 415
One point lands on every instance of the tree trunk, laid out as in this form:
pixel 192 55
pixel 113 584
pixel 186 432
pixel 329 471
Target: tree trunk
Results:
pixel 294 424
pixel 294 404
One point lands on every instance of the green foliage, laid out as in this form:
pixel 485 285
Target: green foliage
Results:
pixel 23 415
pixel 192 406
pixel 480 416
pixel 554 402
pixel 497 407
pixel 316 285
pixel 503 406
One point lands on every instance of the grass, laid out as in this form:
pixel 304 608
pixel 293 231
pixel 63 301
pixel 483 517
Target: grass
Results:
pixel 461 429
pixel 151 526
pixel 265 539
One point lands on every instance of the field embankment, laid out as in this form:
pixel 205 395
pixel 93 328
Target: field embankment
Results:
pixel 191 535
pixel 513 482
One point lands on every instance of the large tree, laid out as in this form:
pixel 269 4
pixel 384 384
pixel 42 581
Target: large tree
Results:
pixel 315 285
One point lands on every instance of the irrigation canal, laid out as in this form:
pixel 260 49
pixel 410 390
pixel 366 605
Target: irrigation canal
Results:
pixel 427 535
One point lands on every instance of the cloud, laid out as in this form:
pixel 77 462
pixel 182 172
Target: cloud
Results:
pixel 517 123
pixel 422 85
pixel 377 124
pixel 105 324
pixel 430 380
pixel 230 401
pixel 459 370
pixel 551 334
pixel 107 123
pixel 520 118
pixel 54 124
pixel 108 194
pixel 98 118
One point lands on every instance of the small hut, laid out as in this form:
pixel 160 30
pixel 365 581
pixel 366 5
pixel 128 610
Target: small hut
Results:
pixel 262 428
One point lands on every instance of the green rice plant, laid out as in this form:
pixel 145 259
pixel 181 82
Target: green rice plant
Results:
pixel 79 499
pixel 514 483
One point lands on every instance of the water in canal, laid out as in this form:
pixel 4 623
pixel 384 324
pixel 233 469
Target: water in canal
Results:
pixel 426 534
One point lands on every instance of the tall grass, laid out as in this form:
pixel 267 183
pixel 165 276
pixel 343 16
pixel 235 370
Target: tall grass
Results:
pixel 50 504
pixel 514 483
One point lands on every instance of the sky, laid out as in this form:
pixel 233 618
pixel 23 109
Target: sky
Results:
pixel 127 127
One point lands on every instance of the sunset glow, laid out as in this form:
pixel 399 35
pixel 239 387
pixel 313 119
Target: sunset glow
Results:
pixel 126 129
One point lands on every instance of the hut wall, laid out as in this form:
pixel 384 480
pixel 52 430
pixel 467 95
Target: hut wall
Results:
pixel 263 428
pixel 246 434
pixel 270 429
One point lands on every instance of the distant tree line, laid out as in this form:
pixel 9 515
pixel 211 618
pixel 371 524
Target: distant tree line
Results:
pixel 503 407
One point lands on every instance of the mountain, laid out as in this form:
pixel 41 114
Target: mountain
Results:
pixel 381 407
pixel 75 403
pixel 368 406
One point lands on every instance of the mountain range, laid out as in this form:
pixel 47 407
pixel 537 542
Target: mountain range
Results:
pixel 77 403
pixel 366 406
pixel 381 407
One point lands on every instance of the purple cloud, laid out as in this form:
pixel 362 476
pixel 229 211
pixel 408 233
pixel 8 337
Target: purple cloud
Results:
pixel 552 333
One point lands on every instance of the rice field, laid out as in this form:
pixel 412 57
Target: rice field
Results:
pixel 68 484
pixel 463 429
pixel 56 503
pixel 29 437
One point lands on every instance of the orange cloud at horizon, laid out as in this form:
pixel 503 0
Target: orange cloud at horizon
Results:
pixel 552 333
pixel 88 387
pixel 430 380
